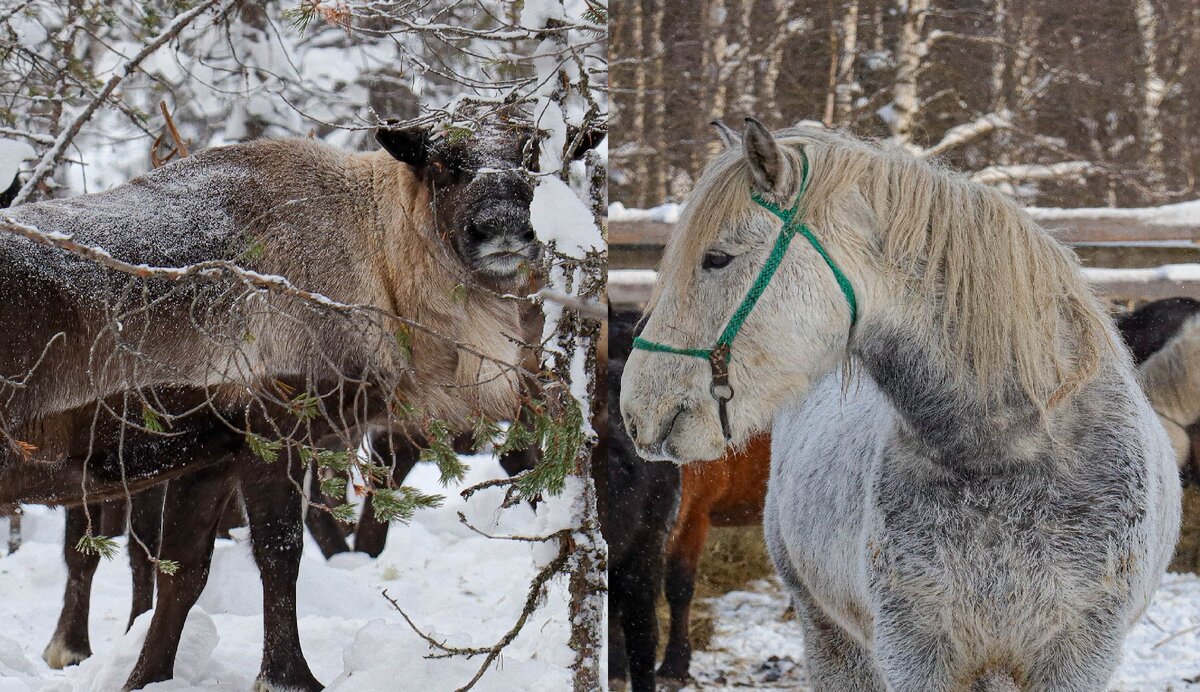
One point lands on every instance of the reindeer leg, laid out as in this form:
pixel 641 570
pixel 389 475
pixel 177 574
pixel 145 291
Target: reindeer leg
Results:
pixel 70 643
pixel 371 536
pixel 325 530
pixel 277 532
pixel 145 522
pixel 194 506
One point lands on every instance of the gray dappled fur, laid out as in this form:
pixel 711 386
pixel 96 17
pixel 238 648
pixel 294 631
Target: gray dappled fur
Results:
pixel 931 545
pixel 984 498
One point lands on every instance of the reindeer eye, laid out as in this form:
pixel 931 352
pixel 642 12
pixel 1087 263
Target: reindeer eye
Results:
pixel 716 260
pixel 437 168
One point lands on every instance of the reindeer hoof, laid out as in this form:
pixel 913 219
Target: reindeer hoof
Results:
pixel 59 655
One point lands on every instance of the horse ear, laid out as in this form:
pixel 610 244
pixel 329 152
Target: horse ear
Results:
pixel 408 145
pixel 592 137
pixel 763 155
pixel 727 135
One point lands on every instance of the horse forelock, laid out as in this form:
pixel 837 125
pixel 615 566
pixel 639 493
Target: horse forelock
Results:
pixel 998 289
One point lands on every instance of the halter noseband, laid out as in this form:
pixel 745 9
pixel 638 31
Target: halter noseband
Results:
pixel 718 356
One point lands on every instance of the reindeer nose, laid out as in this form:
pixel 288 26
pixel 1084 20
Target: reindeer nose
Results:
pixel 479 231
pixel 527 234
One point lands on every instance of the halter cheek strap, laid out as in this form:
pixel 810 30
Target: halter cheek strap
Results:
pixel 719 355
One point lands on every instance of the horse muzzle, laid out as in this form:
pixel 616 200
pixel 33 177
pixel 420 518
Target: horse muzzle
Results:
pixel 679 434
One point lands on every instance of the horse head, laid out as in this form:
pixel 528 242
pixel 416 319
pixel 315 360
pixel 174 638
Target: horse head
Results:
pixel 737 324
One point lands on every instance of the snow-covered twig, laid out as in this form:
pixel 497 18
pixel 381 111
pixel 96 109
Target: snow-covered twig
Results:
pixel 590 309
pixel 536 589
pixel 961 134
pixel 993 175
pixel 31 136
pixel 50 159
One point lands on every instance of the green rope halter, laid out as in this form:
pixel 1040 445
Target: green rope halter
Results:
pixel 719 355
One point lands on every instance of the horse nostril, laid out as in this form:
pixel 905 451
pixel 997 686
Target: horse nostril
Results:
pixel 633 432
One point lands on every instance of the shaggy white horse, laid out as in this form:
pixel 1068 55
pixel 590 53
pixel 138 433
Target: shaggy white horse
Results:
pixel 969 490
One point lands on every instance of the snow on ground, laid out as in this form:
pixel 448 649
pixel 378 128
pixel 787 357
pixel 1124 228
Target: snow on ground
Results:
pixel 754 646
pixel 459 586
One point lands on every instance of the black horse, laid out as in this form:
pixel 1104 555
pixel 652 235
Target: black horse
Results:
pixel 642 499
pixel 1146 329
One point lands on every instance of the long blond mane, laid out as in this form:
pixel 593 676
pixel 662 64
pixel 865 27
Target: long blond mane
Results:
pixel 1007 301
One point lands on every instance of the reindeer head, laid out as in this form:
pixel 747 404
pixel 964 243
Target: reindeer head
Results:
pixel 481 185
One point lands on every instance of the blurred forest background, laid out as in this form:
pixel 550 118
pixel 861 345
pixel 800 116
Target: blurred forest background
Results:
pixel 1060 103
pixel 244 69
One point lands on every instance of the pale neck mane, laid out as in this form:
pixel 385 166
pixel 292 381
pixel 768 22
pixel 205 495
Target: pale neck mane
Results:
pixel 417 276
pixel 1007 303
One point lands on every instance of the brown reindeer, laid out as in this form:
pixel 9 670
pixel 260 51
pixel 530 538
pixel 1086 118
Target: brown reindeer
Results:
pixel 70 643
pixel 401 230
pixel 398 232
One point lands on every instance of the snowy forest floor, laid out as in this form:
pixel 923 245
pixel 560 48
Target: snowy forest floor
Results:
pixel 747 642
pixel 459 586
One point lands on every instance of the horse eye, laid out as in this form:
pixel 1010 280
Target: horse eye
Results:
pixel 716 260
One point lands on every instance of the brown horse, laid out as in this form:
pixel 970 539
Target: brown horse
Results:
pixel 726 492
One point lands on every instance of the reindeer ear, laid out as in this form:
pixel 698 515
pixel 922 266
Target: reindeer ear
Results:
pixel 592 137
pixel 727 135
pixel 408 145
pixel 763 155
pixel 530 148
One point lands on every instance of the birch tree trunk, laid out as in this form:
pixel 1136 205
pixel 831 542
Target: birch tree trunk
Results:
pixel 742 61
pixel 877 27
pixel 1153 91
pixel 831 85
pixel 715 51
pixel 910 51
pixel 782 12
pixel 844 90
pixel 657 184
pixel 718 51
pixel 1002 142
pixel 637 121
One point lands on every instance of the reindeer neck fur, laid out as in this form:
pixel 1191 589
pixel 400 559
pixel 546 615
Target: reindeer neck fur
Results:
pixel 415 274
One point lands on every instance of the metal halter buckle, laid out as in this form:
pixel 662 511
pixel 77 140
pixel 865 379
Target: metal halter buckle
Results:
pixel 721 390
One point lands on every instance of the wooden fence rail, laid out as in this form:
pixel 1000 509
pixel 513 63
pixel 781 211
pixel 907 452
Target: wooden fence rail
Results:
pixel 1129 255
pixel 631 287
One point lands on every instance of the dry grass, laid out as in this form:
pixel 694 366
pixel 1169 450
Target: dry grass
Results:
pixel 1187 551
pixel 733 557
